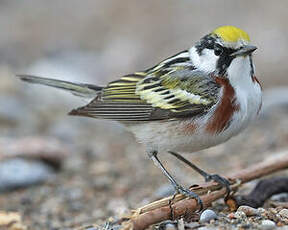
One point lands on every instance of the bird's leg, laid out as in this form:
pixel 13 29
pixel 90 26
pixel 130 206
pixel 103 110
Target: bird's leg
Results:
pixel 208 177
pixel 180 189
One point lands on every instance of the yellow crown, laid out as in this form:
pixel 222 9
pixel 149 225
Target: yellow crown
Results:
pixel 231 34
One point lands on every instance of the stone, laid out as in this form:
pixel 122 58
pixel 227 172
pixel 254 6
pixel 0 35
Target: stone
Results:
pixel 170 226
pixel 207 216
pixel 261 210
pixel 249 211
pixel 284 213
pixel 11 219
pixel 240 215
pixel 48 150
pixel 231 215
pixel 268 225
pixel 17 173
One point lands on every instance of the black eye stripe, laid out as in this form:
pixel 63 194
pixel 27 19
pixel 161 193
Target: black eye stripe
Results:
pixel 224 61
pixel 218 50
pixel 210 42
pixel 225 58
pixel 225 51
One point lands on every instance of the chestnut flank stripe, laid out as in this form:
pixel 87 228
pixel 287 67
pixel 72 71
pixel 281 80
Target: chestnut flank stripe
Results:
pixel 225 108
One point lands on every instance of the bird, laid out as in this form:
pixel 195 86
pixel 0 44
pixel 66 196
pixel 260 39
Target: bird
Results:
pixel 193 100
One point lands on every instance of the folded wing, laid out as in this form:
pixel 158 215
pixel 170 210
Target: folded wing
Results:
pixel 173 91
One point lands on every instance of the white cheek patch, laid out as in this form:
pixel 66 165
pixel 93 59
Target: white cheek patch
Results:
pixel 206 62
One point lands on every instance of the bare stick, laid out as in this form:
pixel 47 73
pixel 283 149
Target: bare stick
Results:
pixel 161 210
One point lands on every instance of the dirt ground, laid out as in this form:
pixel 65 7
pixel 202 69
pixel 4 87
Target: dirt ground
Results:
pixel 104 172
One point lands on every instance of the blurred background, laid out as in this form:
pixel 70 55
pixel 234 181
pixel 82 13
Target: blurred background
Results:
pixel 62 172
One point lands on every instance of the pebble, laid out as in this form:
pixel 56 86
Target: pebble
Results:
pixel 240 215
pixel 45 149
pixel 11 219
pixel 249 211
pixel 207 216
pixel 268 225
pixel 16 173
pixel 231 215
pixel 206 228
pixel 284 213
pixel 281 197
pixel 261 210
pixel 170 226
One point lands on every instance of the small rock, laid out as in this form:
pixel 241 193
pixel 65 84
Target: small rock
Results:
pixel 180 224
pixel 268 225
pixel 261 210
pixel 170 226
pixel 249 211
pixel 206 228
pixel 11 219
pixel 49 150
pixel 192 225
pixel 17 173
pixel 281 197
pixel 240 215
pixel 244 225
pixel 91 228
pixel 231 215
pixel 284 213
pixel 207 216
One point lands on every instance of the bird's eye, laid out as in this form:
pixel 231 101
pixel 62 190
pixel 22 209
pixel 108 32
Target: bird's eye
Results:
pixel 218 50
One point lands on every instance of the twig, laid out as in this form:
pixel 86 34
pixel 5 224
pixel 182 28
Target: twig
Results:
pixel 263 191
pixel 163 209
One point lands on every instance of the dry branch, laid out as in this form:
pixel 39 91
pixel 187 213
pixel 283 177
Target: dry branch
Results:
pixel 164 210
pixel 264 189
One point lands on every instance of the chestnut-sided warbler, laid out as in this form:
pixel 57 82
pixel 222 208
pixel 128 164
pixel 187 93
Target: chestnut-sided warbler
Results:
pixel 191 101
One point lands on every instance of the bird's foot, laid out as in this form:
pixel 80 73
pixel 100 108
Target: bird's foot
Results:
pixel 220 180
pixel 188 193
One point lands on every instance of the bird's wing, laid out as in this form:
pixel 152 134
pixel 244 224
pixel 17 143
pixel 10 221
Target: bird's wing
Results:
pixel 172 89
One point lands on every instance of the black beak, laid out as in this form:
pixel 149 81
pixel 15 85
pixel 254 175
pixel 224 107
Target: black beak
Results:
pixel 246 50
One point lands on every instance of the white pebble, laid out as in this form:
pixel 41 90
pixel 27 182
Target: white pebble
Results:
pixel 207 215
pixel 284 213
pixel 170 227
pixel 261 210
pixel 268 225
pixel 205 228
pixel 240 215
pixel 249 211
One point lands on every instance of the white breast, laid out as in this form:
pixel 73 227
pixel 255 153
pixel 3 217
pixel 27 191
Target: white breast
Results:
pixel 247 91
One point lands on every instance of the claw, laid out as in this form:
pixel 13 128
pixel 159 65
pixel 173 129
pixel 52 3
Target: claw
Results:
pixel 221 180
pixel 190 194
